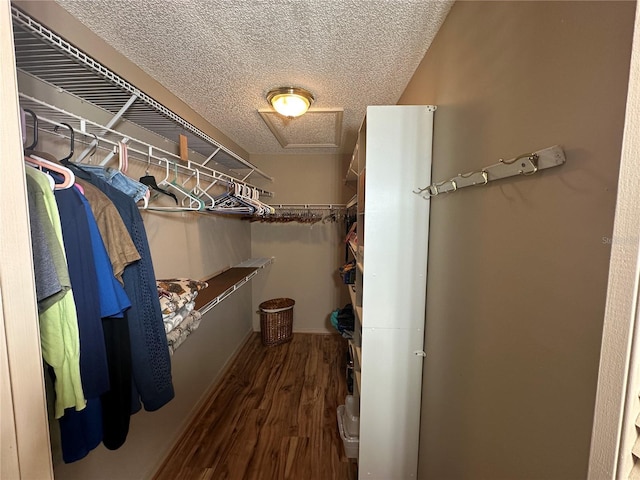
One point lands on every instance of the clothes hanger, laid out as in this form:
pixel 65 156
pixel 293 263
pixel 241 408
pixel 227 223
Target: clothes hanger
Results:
pixel 227 203
pixel 123 157
pixel 252 196
pixel 246 194
pixel 72 142
pixel 239 193
pixel 199 192
pixel 77 164
pixel 94 147
pixel 150 180
pixel 35 129
pixel 68 178
pixel 256 197
pixel 66 161
pixel 194 203
pixel 52 182
pixel 123 165
pixel 230 205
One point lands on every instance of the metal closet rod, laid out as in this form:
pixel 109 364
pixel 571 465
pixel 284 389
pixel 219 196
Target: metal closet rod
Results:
pixel 91 64
pixel 205 172
pixel 187 170
pixel 309 206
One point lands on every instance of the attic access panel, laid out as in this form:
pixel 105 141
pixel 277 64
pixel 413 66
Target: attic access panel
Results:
pixel 43 54
pixel 320 127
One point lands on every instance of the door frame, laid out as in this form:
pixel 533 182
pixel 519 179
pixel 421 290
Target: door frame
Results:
pixel 617 404
pixel 24 444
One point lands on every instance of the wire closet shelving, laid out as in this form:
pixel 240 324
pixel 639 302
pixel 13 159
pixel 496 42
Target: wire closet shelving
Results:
pixel 46 56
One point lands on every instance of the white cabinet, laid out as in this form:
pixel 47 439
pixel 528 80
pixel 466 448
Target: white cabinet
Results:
pixel 392 158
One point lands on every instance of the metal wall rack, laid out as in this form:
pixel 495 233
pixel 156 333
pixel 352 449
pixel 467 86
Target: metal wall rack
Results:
pixel 58 121
pixel 526 164
pixel 305 213
pixel 45 55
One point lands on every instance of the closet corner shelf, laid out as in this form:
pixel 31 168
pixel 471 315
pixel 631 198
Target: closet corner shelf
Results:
pixel 353 248
pixel 351 177
pixel 358 313
pixel 356 351
pixel 358 381
pixel 228 281
pixel 353 201
pixel 352 173
pixel 352 294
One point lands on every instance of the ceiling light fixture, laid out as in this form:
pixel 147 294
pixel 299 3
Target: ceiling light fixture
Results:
pixel 290 101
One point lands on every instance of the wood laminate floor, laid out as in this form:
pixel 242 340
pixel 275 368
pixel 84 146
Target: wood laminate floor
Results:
pixel 273 416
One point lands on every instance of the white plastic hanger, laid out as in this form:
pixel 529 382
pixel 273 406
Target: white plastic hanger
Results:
pixel 52 182
pixel 68 177
pixel 228 203
pixel 123 157
pixel 189 201
pixel 199 192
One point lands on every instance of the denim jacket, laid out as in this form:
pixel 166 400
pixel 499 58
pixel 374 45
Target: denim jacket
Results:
pixel 119 180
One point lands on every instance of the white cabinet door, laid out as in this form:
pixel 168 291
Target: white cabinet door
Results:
pixel 390 398
pixel 394 234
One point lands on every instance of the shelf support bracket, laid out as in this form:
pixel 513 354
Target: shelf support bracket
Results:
pixel 114 120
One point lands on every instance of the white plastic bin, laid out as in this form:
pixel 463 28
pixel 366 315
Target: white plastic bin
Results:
pixel 352 416
pixel 351 444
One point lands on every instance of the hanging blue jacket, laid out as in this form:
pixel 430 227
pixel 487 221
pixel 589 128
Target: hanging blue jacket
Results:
pixel 151 362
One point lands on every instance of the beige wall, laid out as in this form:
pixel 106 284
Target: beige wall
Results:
pixel 307 256
pixel 518 269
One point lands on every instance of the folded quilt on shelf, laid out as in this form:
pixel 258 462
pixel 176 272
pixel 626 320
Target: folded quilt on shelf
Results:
pixel 175 293
pixel 173 320
pixel 179 334
pixel 177 302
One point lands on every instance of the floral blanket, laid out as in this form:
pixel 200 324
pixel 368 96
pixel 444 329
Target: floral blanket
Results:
pixel 177 301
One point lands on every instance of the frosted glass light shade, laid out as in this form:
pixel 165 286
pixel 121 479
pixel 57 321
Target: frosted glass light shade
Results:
pixel 290 101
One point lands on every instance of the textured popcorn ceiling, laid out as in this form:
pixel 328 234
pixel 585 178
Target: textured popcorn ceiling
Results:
pixel 221 57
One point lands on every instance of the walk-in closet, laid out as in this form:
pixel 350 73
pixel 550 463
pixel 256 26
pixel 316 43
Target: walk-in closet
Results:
pixel 429 271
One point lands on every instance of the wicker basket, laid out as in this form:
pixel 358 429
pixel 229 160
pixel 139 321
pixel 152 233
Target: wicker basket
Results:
pixel 276 321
